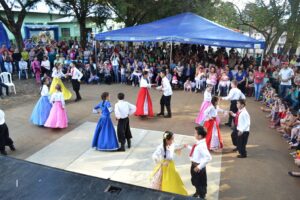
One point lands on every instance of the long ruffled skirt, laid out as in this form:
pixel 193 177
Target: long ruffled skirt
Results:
pixel 58 117
pixel 41 111
pixel 66 93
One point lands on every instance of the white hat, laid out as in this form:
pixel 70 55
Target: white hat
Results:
pixel 2 117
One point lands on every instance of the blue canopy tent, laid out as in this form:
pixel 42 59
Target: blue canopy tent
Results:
pixel 3 36
pixel 183 28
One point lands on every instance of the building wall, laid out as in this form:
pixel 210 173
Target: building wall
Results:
pixel 34 18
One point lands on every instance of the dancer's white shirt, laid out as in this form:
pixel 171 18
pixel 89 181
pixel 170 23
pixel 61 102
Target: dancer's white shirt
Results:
pixel 58 96
pixel 76 74
pixel 201 154
pixel 159 153
pixel 123 109
pixel 207 96
pixel 243 121
pixel 46 64
pixel 57 73
pixel 234 94
pixel 2 117
pixel 45 91
pixel 165 87
pixel 144 84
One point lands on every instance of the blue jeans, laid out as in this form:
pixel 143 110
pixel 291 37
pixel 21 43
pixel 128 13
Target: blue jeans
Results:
pixel 257 88
pixel 116 73
pixel 283 90
pixel 123 78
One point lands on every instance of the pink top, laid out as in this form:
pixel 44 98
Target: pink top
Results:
pixel 213 78
pixel 36 66
pixel 259 77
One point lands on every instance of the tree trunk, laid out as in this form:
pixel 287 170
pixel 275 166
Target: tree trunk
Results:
pixel 82 33
pixel 19 39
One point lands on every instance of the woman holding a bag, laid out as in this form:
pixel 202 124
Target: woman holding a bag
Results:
pixel 165 177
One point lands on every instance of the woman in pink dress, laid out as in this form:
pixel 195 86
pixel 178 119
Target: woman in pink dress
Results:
pixel 205 104
pixel 36 68
pixel 58 115
pixel 212 78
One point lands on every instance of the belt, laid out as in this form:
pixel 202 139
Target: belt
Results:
pixel 194 163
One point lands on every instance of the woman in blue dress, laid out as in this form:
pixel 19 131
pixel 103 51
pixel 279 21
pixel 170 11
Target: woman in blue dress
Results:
pixel 241 79
pixel 105 138
pixel 42 108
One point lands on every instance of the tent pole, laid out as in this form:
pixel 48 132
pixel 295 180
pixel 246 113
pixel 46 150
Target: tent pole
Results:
pixel 171 51
pixel 262 57
pixel 96 57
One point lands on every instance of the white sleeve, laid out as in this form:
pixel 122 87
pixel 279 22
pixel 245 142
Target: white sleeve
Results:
pixel 207 114
pixel 229 96
pixel 54 73
pixel 62 100
pixel 206 158
pixel 79 74
pixel 242 96
pixel 244 122
pixel 157 155
pixel 117 112
pixel 132 108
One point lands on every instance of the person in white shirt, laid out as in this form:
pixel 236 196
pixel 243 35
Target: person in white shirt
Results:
pixel 286 74
pixel 5 140
pixel 199 156
pixel 23 66
pixel 166 97
pixel 115 63
pixel 234 95
pixel 45 65
pixel 243 127
pixel 122 111
pixel 144 102
pixel 76 78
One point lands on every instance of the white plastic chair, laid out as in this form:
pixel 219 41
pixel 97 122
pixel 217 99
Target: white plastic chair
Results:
pixel 6 79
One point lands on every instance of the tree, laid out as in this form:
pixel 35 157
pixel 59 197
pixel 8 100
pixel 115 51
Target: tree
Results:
pixel 293 32
pixel 267 19
pixel 134 12
pixel 13 19
pixel 82 9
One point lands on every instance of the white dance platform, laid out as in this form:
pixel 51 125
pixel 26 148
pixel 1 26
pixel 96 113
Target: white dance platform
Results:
pixel 73 152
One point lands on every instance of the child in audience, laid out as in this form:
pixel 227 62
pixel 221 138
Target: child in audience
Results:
pixel 187 85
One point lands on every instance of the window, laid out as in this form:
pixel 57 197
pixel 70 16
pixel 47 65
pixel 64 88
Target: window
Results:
pixel 65 32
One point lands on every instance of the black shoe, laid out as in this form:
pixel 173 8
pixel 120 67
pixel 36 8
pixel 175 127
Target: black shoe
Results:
pixel 234 150
pixel 168 116
pixel 227 124
pixel 12 147
pixel 3 152
pixel 121 149
pixel 293 175
pixel 128 143
pixel 241 156
pixel 195 195
pixel 160 114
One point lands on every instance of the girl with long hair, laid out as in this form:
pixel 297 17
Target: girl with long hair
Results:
pixel 165 176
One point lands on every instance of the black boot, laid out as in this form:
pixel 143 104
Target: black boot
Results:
pixel 129 143
pixel 169 112
pixel 12 147
pixel 122 148
pixel 162 110
pixel 3 152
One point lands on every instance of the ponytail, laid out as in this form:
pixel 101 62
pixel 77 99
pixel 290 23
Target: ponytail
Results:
pixel 167 136
pixel 165 148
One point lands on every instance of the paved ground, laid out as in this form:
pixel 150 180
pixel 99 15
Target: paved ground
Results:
pixel 263 175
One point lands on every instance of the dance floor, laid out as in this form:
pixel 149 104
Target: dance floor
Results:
pixel 73 152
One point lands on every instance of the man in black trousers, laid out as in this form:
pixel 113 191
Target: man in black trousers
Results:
pixel 5 140
pixel 242 119
pixel 166 97
pixel 234 95
pixel 122 111
pixel 76 77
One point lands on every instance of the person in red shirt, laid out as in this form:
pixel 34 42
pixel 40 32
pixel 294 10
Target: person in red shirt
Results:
pixel 258 81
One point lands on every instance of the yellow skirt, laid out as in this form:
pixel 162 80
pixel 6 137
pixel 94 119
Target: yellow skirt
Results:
pixel 67 94
pixel 170 180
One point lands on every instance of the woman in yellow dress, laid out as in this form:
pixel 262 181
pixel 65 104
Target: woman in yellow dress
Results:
pixel 56 75
pixel 165 177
